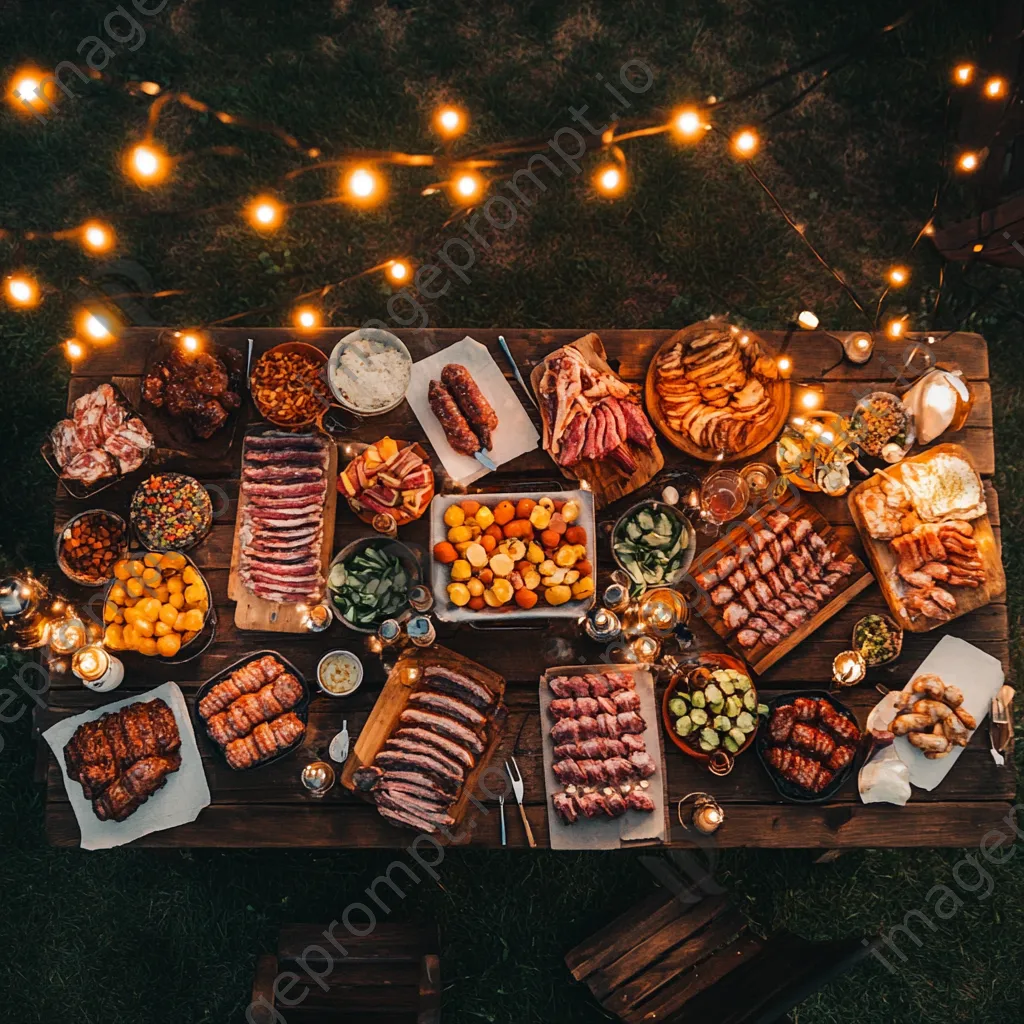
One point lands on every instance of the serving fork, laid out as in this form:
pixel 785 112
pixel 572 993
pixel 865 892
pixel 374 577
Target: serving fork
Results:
pixel 998 717
pixel 517 787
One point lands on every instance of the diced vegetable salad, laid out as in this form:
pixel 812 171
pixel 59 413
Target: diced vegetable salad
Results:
pixel 370 586
pixel 722 713
pixel 651 546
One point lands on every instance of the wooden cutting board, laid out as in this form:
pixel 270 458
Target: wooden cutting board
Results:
pixel 761 657
pixel 252 612
pixel 757 440
pixel 604 478
pixel 406 678
pixel 884 561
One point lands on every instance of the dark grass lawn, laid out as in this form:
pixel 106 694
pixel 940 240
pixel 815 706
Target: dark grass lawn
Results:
pixel 134 936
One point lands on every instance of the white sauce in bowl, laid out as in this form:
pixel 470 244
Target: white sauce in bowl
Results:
pixel 370 375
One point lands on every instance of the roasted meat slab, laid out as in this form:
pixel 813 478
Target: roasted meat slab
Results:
pixel 121 759
pixel 810 742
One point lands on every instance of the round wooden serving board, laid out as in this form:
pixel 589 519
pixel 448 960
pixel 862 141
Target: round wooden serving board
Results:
pixel 761 438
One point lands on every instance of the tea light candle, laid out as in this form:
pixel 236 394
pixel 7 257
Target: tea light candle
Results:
pixel 421 631
pixel 849 668
pixel 602 625
pixel 97 669
pixel 858 347
pixel 708 815
pixel 317 618
pixel 318 778
pixel 386 524
pixel 67 634
pixel 616 597
pixel 645 648
pixel 661 610
pixel 388 632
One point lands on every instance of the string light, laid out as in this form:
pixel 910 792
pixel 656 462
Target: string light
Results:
pixel 148 164
pixel 895 328
pixel 450 121
pixel 928 229
pixel 468 186
pixel 967 162
pixel 995 88
pixel 74 349
pixel 807 320
pixel 97 237
pixel 364 186
pixel 190 343
pixel 610 180
pixel 745 143
pixel 687 123
pixel 307 318
pixel 785 365
pixel 265 213
pixel 899 276
pixel 26 92
pixel 810 400
pixel 398 271
pixel 96 326
pixel 21 291
pixel 963 74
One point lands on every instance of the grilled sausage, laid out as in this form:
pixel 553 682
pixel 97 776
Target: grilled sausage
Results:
pixel 458 431
pixel 470 399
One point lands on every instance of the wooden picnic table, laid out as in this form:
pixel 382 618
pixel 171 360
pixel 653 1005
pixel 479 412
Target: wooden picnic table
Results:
pixel 269 807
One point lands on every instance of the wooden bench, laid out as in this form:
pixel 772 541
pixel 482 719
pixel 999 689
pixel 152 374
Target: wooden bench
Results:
pixel 391 976
pixel 669 960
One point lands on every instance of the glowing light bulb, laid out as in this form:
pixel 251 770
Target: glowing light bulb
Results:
pixel 745 340
pixel 745 143
pixel 25 91
pixel 688 124
pixel 74 349
pixel 450 121
pixel 95 326
pixel 190 343
pixel 610 180
pixel 995 88
pixel 963 73
pixel 21 291
pixel 807 320
pixel 398 271
pixel 784 364
pixel 265 213
pixel 364 186
pixel 967 162
pixel 978 247
pixel 863 342
pixel 810 400
pixel 928 229
pixel 899 276
pixel 307 318
pixel 895 328
pixel 97 237
pixel 147 164
pixel 468 186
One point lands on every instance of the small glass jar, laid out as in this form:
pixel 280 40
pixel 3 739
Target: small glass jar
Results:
pixel 421 630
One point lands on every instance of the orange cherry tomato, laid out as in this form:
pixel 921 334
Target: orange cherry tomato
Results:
pixel 524 507
pixel 495 531
pixel 477 603
pixel 445 552
pixel 525 598
pixel 576 535
pixel 550 539
pixel 488 543
pixel 583 567
pixel 504 512
pixel 470 507
pixel 519 528
pixel 486 577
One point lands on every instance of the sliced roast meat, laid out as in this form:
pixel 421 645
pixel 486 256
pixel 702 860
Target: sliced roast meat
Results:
pixel 443 725
pixel 446 746
pixel 426 750
pixel 445 704
pixel 458 685
pixel 405 761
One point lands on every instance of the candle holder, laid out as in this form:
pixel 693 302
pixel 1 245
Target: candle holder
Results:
pixel 707 815
pixel 318 779
pixel 421 631
pixel 317 618
pixel 645 649
pixel 22 612
pixel 421 599
pixel 602 625
pixel 97 668
pixel 662 610
pixel 616 597
pixel 67 631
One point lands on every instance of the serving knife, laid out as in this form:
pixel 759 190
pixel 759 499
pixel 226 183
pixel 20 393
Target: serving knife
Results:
pixel 515 370
pixel 485 460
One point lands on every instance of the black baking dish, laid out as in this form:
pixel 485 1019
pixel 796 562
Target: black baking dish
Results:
pixel 788 790
pixel 301 709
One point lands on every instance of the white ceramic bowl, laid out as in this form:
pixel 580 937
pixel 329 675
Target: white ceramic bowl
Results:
pixel 372 334
pixel 352 659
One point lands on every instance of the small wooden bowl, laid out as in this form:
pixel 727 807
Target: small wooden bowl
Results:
pixel 721 761
pixel 303 348
pixel 402 516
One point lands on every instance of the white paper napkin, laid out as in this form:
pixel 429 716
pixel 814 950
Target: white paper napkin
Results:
pixel 961 664
pixel 515 434
pixel 184 795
